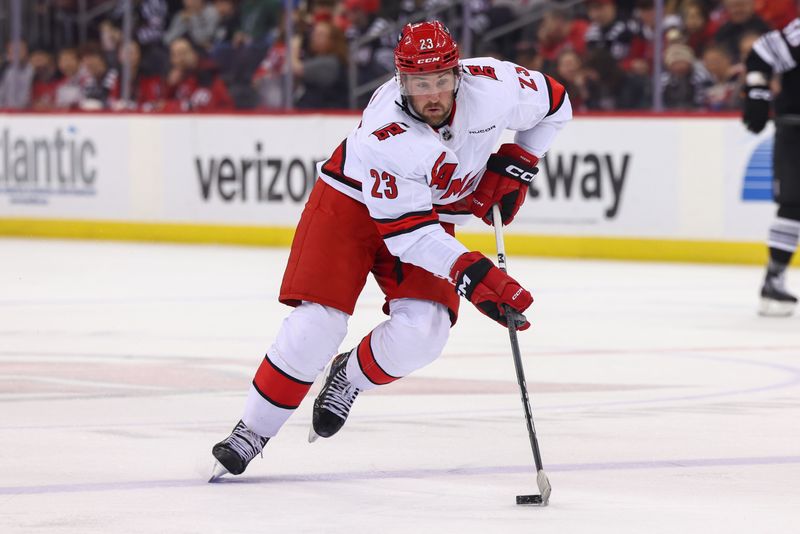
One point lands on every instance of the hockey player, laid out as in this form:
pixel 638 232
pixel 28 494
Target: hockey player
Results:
pixel 419 161
pixel 778 52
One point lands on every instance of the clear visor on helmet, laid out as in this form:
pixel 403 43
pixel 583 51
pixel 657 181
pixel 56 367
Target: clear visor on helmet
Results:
pixel 428 83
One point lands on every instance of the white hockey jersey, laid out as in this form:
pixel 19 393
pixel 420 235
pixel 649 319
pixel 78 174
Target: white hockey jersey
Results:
pixel 411 176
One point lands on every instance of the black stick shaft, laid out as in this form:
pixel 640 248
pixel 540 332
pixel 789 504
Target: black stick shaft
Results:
pixel 512 334
pixel 523 387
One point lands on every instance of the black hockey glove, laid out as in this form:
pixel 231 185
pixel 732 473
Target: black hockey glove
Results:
pixel 757 102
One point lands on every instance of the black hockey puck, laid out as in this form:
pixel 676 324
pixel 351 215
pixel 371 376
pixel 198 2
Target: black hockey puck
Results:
pixel 529 499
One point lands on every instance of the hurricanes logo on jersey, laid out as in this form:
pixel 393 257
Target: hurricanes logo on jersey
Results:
pixel 442 178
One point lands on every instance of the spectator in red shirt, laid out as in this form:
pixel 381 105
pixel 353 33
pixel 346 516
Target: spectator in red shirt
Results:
pixel 640 57
pixel 192 83
pixel 569 71
pixel 699 28
pixel 146 88
pixel 68 89
pixel 559 32
pixel 45 80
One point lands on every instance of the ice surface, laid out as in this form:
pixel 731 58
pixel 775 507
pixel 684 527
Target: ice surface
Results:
pixel 663 403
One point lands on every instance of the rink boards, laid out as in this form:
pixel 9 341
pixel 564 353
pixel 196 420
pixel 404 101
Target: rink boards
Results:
pixel 640 187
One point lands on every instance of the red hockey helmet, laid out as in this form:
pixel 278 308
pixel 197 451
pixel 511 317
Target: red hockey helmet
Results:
pixel 425 47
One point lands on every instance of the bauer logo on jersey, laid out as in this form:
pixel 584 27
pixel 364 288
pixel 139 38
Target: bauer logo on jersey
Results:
pixel 390 130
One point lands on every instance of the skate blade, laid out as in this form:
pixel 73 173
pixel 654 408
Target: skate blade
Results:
pixel 217 472
pixel 312 436
pixel 775 308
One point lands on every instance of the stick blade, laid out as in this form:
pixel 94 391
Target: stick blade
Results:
pixel 544 486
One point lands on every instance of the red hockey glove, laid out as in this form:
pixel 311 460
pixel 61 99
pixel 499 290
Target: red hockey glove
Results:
pixel 489 288
pixel 508 176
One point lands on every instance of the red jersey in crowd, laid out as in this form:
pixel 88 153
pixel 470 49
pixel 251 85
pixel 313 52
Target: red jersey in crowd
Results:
pixel 776 13
pixel 198 91
pixel 43 93
pixel 146 92
pixel 576 40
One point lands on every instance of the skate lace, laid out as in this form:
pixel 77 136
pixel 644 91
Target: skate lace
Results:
pixel 245 443
pixel 340 395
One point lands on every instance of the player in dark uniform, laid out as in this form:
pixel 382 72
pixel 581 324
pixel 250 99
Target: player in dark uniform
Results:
pixel 778 52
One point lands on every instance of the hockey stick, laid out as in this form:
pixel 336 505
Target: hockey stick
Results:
pixel 788 120
pixel 541 477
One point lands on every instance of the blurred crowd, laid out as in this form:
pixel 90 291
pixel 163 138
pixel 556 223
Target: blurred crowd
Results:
pixel 214 55
pixel 606 58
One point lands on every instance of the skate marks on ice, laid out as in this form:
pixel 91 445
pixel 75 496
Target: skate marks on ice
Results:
pixel 651 406
pixel 421 474
pixel 41 375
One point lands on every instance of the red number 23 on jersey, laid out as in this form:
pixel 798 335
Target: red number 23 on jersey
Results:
pixel 384 185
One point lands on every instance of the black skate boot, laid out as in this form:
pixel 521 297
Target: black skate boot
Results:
pixel 776 301
pixel 333 403
pixel 235 452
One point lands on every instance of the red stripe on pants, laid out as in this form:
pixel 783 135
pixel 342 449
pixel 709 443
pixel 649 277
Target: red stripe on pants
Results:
pixel 278 387
pixel 369 366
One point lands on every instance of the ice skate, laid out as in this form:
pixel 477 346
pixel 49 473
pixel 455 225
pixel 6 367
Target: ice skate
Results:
pixel 776 301
pixel 333 403
pixel 235 452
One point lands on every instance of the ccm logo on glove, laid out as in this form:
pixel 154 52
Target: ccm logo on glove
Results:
pixel 522 174
pixel 477 279
pixel 505 182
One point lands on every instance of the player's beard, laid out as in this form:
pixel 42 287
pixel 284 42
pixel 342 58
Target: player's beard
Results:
pixel 436 114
